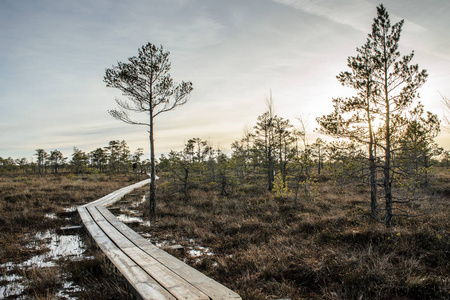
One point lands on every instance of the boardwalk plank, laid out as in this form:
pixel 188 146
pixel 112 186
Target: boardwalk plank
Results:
pixel 207 285
pixel 117 195
pixel 166 277
pixel 145 286
pixel 152 273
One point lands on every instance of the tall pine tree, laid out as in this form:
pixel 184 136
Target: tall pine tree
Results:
pixel 353 117
pixel 386 85
pixel 398 81
pixel 146 82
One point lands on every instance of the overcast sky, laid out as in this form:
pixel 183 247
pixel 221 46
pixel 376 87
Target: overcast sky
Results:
pixel 53 56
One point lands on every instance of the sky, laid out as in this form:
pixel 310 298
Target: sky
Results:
pixel 53 56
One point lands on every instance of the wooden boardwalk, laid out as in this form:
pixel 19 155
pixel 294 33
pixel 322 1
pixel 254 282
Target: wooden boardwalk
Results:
pixel 151 272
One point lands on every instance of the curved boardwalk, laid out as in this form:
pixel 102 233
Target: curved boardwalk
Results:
pixel 151 272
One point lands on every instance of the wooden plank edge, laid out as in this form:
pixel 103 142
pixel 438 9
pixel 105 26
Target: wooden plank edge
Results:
pixel 115 196
pixel 207 285
pixel 146 288
pixel 159 272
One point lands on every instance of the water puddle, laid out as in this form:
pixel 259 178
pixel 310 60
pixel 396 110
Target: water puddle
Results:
pixel 136 204
pixel 68 288
pixel 133 219
pixel 198 251
pixel 57 246
pixel 132 215
pixel 70 209
pixel 146 235
pixel 51 216
pixel 10 285
pixel 51 247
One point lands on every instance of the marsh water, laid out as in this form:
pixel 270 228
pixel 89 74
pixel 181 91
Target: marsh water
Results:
pixel 49 250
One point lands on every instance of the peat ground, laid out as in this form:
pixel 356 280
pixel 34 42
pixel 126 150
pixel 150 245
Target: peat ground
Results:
pixel 261 246
pixel 265 247
pixel 38 260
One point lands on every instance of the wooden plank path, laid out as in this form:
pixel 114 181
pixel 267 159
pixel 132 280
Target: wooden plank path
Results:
pixel 151 272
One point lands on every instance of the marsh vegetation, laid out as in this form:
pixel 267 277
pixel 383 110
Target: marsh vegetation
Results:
pixel 261 245
pixel 45 254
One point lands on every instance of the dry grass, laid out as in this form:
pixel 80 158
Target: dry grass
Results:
pixel 97 277
pixel 30 204
pixel 264 247
pixel 42 282
pixel 326 248
pixel 25 200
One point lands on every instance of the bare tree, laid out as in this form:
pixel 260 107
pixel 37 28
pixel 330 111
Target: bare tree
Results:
pixel 146 82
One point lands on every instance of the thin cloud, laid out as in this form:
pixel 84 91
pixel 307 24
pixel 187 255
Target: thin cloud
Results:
pixel 354 13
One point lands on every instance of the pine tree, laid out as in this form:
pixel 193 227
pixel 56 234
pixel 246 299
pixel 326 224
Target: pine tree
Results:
pixel 56 158
pixel 353 117
pixel 398 81
pixel 387 85
pixel 146 82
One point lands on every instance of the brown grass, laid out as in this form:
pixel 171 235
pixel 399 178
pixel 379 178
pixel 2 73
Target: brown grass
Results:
pixel 325 248
pixel 97 277
pixel 25 203
pixel 264 247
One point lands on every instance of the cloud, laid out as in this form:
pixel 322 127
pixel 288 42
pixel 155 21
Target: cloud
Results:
pixel 342 12
pixel 354 13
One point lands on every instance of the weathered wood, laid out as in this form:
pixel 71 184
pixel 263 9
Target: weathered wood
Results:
pixel 207 285
pixel 152 272
pixel 117 195
pixel 177 286
pixel 145 286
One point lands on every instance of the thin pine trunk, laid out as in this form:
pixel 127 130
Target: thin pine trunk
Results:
pixel 387 161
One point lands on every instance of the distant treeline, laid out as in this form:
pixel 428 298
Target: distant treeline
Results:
pixel 112 159
pixel 273 156
pixel 279 157
pixel 274 150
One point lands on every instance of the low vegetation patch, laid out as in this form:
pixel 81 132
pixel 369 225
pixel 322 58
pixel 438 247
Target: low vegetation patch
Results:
pixel 259 244
pixel 265 247
pixel 36 259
